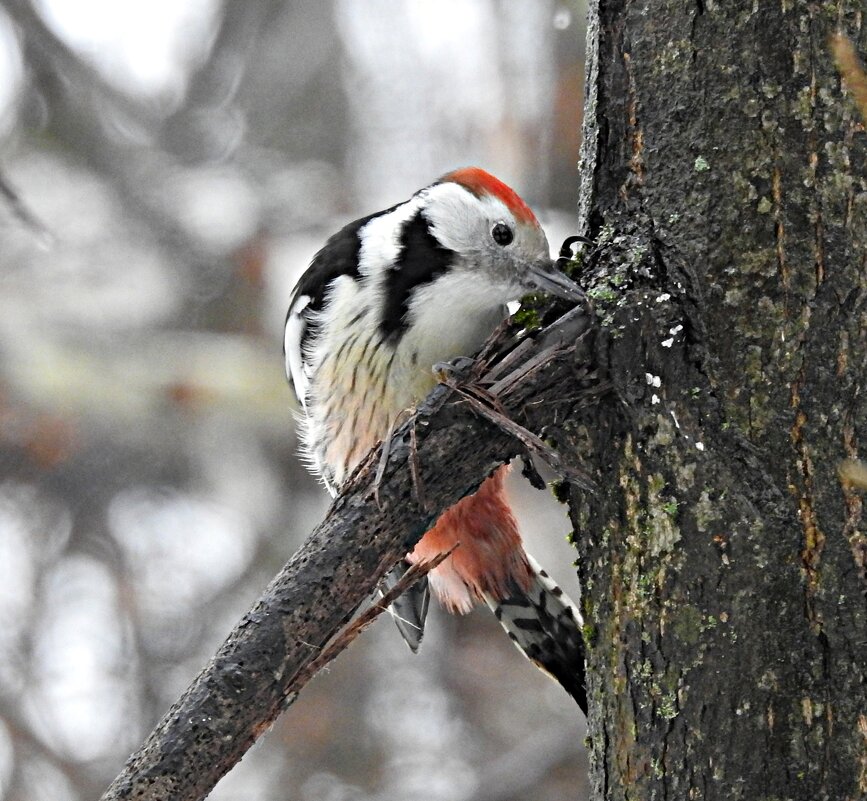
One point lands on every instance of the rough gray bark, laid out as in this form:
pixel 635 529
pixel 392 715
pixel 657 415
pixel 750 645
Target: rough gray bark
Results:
pixel 253 676
pixel 724 567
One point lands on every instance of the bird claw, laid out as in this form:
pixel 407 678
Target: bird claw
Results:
pixel 566 249
pixel 458 368
pixel 414 467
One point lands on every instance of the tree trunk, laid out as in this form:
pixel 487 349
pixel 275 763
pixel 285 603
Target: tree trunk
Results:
pixel 723 566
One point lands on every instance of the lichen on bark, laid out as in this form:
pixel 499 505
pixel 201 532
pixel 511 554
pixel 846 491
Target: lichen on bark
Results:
pixel 724 180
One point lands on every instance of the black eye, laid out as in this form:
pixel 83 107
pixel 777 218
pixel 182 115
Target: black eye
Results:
pixel 502 234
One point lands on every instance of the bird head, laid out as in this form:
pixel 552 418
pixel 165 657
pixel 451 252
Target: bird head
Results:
pixel 493 232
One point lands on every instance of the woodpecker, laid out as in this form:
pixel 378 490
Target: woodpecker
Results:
pixel 385 299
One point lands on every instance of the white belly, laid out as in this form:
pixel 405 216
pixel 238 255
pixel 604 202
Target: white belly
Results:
pixel 359 387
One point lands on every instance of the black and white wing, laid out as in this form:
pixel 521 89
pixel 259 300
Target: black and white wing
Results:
pixel 339 257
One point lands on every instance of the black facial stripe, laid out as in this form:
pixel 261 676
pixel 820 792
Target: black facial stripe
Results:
pixel 421 259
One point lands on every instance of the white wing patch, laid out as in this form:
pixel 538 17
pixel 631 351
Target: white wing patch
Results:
pixel 296 368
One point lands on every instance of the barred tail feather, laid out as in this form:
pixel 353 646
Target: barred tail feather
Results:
pixel 545 624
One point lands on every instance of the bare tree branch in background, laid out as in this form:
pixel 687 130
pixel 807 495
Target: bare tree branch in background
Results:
pixel 81 104
pixel 23 213
pixel 105 126
pixel 26 741
pixel 196 131
pixel 75 70
pixel 240 693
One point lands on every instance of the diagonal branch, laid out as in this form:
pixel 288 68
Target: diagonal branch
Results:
pixel 245 686
pixel 343 639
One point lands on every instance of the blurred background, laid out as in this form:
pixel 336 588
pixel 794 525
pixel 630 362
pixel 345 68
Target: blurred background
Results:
pixel 167 170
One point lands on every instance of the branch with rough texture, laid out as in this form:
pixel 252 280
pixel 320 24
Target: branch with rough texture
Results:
pixel 247 684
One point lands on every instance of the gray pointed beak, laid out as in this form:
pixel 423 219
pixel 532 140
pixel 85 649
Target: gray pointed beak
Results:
pixel 545 277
